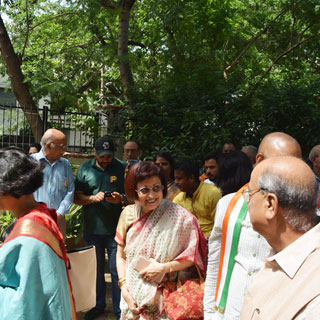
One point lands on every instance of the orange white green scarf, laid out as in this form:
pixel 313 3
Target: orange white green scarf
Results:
pixel 231 227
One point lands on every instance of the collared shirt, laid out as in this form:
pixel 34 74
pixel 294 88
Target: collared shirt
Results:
pixel 58 184
pixel 209 181
pixel 100 218
pixel 251 253
pixel 202 204
pixel 285 267
pixel 292 257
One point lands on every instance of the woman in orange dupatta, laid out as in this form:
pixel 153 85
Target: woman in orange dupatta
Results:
pixel 34 281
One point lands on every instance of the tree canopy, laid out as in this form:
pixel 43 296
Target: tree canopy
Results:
pixel 188 74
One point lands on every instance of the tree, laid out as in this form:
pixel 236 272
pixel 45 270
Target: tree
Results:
pixel 19 87
pixel 189 74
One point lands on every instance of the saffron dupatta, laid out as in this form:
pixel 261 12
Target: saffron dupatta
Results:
pixel 169 233
pixel 231 227
pixel 41 223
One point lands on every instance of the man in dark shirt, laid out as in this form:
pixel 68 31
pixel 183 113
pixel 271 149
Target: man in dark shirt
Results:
pixel 99 185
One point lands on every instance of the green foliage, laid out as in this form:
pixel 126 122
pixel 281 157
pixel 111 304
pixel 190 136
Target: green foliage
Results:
pixel 204 71
pixel 6 219
pixel 74 222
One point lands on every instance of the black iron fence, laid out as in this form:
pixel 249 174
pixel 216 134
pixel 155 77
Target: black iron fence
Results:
pixel 20 129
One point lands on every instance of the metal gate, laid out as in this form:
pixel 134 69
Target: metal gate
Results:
pixel 81 129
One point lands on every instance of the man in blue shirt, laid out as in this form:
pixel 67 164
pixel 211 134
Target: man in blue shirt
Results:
pixel 58 185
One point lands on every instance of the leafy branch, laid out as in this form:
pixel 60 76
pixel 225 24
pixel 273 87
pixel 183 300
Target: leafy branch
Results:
pixel 286 52
pixel 252 41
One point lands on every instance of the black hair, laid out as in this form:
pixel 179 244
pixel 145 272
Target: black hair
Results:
pixel 19 173
pixel 234 171
pixel 188 167
pixel 212 155
pixel 35 145
pixel 166 155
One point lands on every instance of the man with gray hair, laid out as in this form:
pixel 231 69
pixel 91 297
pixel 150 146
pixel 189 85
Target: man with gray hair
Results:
pixel 251 152
pixel 58 184
pixel 236 251
pixel 282 199
pixel 314 157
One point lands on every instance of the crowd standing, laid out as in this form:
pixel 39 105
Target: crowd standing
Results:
pixel 253 235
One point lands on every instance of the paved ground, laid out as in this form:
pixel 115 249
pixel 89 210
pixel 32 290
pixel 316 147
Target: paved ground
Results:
pixel 108 315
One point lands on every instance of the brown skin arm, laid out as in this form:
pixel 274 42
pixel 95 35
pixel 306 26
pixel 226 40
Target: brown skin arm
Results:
pixel 116 198
pixel 151 272
pixel 83 199
pixel 121 268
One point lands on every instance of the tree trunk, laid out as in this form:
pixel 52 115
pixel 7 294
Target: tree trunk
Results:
pixel 19 87
pixel 124 63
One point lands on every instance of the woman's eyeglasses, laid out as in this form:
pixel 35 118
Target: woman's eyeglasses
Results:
pixel 145 190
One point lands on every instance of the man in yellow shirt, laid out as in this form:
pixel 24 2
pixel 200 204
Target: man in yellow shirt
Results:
pixel 198 197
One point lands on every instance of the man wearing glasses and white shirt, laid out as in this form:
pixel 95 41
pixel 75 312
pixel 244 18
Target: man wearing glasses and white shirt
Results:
pixel 236 251
pixel 58 184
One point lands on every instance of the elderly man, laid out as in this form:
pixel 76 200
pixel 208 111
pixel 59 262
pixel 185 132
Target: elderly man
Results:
pixel 236 251
pixel 282 199
pixel 251 152
pixel 99 185
pixel 131 150
pixel 58 185
pixel 314 157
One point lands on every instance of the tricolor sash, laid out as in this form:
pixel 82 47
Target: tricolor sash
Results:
pixel 231 226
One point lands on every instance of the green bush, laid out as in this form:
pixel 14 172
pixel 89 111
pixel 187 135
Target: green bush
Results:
pixel 74 222
pixel 6 218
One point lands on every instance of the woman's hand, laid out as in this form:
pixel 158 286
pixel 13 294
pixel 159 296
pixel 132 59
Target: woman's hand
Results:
pixel 121 268
pixel 152 271
pixel 132 305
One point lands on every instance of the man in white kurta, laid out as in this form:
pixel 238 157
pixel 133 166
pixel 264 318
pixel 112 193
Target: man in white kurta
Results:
pixel 251 253
pixel 251 248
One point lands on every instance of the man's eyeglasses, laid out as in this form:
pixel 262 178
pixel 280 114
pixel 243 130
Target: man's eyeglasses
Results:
pixel 62 146
pixel 248 194
pixel 145 190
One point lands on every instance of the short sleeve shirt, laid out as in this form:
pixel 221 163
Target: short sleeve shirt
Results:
pixel 100 218
pixel 202 205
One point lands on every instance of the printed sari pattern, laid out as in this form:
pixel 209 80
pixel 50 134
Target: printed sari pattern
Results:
pixel 168 233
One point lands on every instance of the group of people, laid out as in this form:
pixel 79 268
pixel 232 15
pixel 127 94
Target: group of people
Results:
pixel 159 218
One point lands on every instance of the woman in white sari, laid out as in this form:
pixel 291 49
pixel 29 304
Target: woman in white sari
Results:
pixel 162 234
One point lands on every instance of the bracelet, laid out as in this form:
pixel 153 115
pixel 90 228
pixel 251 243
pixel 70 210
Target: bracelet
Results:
pixel 121 282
